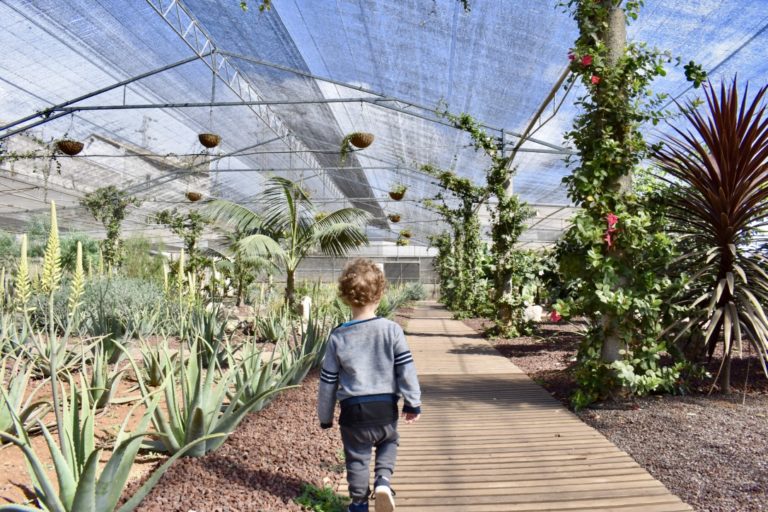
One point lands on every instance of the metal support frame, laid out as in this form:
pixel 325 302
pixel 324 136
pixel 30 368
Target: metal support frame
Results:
pixel 384 97
pixel 181 21
pixel 60 110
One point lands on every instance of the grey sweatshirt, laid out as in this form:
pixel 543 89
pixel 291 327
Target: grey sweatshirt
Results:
pixel 367 360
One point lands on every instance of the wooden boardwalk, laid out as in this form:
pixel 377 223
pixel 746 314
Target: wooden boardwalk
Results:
pixel 491 439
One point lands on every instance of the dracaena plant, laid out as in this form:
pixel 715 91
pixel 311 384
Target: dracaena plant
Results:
pixel 719 205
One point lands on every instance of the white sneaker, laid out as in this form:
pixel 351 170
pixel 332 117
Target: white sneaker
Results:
pixel 384 498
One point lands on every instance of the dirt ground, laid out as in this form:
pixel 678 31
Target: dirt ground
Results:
pixel 708 449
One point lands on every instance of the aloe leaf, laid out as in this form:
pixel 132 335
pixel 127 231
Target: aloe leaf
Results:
pixel 46 493
pixel 64 472
pixel 85 496
pixel 196 429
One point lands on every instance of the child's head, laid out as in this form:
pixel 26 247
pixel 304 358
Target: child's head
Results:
pixel 361 283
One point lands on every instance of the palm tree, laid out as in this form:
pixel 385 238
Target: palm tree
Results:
pixel 241 270
pixel 287 231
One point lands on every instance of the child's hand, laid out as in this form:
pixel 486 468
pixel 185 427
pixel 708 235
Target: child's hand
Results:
pixel 411 417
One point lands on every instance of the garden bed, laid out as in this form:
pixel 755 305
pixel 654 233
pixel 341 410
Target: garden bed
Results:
pixel 710 450
pixel 262 466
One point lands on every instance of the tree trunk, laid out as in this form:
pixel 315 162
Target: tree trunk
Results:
pixel 290 287
pixel 615 39
pixel 725 374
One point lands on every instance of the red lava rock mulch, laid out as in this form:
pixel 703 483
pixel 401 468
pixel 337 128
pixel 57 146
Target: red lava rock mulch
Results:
pixel 261 467
pixel 711 451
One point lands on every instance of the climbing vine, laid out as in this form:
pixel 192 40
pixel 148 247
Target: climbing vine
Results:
pixel 508 223
pixel 613 251
pixel 462 265
pixel 108 205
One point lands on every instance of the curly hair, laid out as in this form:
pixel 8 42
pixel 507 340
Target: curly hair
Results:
pixel 361 283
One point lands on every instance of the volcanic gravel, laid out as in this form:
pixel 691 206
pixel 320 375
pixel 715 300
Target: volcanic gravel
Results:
pixel 261 467
pixel 710 450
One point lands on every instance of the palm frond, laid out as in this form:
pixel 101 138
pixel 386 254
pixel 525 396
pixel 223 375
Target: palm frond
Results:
pixel 234 215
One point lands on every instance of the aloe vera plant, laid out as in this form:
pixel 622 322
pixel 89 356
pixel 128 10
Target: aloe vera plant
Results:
pixel 197 405
pixel 15 404
pixel 257 377
pixel 272 327
pixel 208 332
pixel 81 486
pixel 103 380
pixel 157 361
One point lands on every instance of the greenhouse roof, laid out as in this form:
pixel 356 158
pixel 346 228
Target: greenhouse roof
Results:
pixel 289 83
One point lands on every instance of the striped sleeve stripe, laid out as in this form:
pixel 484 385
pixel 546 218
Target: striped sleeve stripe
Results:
pixel 329 377
pixel 401 362
pixel 402 355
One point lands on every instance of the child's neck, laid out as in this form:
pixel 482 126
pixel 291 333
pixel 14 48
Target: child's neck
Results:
pixel 364 312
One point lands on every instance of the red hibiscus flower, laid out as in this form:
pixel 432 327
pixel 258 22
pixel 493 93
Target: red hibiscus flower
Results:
pixel 595 79
pixel 555 316
pixel 586 60
pixel 612 219
pixel 608 239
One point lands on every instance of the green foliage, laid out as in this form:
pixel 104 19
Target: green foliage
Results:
pixel 90 250
pixel 614 249
pixel 189 227
pixel 463 284
pixel 9 249
pixel 108 205
pixel 321 500
pixel 508 223
pixel 139 262
pixel 16 405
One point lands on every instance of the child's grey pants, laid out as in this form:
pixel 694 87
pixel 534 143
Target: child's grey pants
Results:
pixel 358 443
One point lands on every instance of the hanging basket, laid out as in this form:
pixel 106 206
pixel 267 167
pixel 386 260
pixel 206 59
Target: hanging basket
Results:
pixel 69 147
pixel 397 196
pixel 393 217
pixel 209 140
pixel 361 139
pixel 402 242
pixel 194 196
pixel 406 234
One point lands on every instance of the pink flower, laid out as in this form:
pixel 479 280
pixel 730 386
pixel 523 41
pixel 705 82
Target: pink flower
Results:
pixel 555 316
pixel 586 60
pixel 607 238
pixel 595 79
pixel 571 56
pixel 612 220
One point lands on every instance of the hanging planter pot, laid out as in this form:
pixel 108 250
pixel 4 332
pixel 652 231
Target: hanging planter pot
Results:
pixel 402 242
pixel 397 192
pixel 209 140
pixel 69 147
pixel 406 233
pixel 394 217
pixel 361 139
pixel 194 196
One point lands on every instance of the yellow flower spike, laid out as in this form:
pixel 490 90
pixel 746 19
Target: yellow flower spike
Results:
pixel 22 283
pixel 52 258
